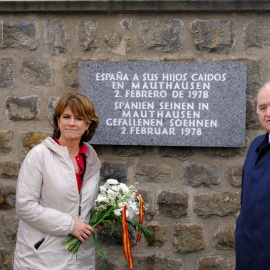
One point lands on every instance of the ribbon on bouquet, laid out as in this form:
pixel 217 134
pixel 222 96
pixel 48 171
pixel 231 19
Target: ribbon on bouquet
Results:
pixel 139 236
pixel 126 239
pixel 125 232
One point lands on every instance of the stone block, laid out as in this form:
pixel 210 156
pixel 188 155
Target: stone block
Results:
pixel 6 73
pixel 163 36
pixel 22 108
pixel 37 71
pixel 172 204
pixel 252 122
pixel 234 175
pixel 156 262
pixel 163 262
pixel 220 152
pixel 56 37
pixel 126 24
pixel 144 261
pixel 19 34
pixel 149 207
pixel 158 235
pixel 213 35
pixel 145 195
pixel 224 237
pixel 158 173
pixel 188 238
pixel 116 171
pixel 9 169
pixel 51 106
pixel 9 224
pixel 197 174
pixel 254 76
pixel 128 151
pixel 7 197
pixel 71 73
pixel 257 34
pixel 6 258
pixel 101 264
pixel 118 43
pixel 181 153
pixel 6 141
pixel 219 204
pixel 87 35
pixel 31 139
pixel 214 263
pixel 106 237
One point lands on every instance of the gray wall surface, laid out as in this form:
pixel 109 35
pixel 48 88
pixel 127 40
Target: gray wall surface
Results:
pixel 193 192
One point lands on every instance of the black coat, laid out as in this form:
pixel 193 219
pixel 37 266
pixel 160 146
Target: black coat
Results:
pixel 252 234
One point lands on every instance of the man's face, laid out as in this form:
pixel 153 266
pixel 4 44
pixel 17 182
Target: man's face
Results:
pixel 263 102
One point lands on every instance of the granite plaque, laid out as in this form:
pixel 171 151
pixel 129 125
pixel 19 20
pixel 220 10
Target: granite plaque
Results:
pixel 167 103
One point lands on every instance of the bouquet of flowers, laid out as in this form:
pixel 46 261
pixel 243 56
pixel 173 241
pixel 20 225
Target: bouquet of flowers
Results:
pixel 116 204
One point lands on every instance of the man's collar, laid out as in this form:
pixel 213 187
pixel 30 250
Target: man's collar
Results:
pixel 264 143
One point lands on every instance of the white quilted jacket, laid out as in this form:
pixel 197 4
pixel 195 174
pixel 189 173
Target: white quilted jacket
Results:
pixel 47 203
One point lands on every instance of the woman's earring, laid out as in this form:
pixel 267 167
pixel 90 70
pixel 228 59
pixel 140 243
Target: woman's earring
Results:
pixel 86 133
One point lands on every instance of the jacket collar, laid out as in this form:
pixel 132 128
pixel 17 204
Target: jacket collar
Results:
pixel 82 150
pixel 93 163
pixel 264 143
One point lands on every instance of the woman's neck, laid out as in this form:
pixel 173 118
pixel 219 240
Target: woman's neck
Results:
pixel 72 146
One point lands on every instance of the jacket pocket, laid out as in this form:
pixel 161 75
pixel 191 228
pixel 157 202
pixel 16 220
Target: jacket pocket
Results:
pixel 37 244
pixel 42 242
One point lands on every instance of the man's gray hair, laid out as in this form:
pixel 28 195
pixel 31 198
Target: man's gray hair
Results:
pixel 266 85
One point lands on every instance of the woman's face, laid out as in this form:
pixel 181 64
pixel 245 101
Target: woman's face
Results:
pixel 72 126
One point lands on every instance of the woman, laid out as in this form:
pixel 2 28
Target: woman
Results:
pixel 56 191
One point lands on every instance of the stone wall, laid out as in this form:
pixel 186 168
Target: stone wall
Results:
pixel 194 193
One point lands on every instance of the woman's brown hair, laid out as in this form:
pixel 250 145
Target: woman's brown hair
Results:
pixel 80 105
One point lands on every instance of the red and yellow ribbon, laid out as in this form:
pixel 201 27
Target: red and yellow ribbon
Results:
pixel 139 236
pixel 125 232
pixel 126 239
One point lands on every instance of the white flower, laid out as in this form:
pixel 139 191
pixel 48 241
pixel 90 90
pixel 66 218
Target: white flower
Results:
pixel 118 195
pixel 112 182
pixel 101 198
pixel 133 206
pixel 117 212
pixel 133 196
pixel 131 214
pixel 115 188
pixel 102 189
pixel 111 192
pixel 124 188
pixel 121 205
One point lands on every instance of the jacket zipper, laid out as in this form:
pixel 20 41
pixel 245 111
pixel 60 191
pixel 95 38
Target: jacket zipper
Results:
pixel 80 210
pixel 80 202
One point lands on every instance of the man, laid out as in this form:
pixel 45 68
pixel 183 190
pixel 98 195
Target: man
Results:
pixel 252 234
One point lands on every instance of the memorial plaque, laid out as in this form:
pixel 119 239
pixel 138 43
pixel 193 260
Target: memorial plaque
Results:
pixel 167 103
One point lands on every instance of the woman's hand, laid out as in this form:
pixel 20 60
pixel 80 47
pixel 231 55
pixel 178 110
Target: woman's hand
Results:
pixel 82 231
